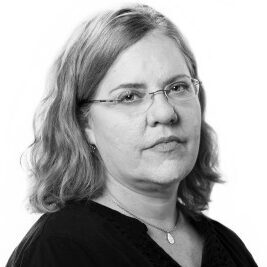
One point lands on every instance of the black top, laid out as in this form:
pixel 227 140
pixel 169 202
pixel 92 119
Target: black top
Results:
pixel 87 234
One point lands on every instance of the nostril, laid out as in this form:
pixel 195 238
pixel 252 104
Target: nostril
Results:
pixel 174 120
pixel 162 111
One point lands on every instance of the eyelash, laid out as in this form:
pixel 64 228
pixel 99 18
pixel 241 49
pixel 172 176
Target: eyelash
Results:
pixel 123 95
pixel 179 84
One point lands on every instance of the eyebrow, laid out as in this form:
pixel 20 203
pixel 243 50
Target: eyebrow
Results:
pixel 143 85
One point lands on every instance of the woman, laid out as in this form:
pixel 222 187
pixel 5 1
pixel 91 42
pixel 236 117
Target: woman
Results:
pixel 123 161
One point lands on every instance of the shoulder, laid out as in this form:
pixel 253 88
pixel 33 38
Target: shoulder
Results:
pixel 72 221
pixel 72 228
pixel 225 234
pixel 224 231
pixel 231 242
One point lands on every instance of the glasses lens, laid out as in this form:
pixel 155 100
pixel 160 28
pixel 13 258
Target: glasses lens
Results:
pixel 177 92
pixel 134 108
pixel 182 90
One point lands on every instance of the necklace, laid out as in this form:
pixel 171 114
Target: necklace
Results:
pixel 169 236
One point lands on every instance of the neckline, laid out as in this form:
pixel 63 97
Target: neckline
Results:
pixel 115 216
pixel 136 232
pixel 196 220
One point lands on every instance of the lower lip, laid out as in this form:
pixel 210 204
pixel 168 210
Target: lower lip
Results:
pixel 166 147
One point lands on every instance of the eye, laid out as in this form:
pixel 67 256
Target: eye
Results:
pixel 129 97
pixel 180 87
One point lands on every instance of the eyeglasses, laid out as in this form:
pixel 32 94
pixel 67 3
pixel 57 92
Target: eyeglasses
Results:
pixel 135 100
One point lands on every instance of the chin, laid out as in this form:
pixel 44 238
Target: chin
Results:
pixel 168 180
pixel 171 171
pixel 170 177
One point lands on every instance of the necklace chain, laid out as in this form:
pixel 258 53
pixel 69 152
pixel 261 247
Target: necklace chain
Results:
pixel 169 237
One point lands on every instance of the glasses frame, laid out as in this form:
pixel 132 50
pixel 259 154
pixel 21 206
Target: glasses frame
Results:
pixel 196 84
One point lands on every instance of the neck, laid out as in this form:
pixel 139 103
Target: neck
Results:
pixel 157 206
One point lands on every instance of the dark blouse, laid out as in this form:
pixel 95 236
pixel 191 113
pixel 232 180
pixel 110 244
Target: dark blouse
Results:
pixel 87 234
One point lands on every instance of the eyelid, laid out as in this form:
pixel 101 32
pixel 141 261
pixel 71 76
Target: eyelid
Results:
pixel 129 91
pixel 181 81
pixel 141 88
pixel 133 89
pixel 177 82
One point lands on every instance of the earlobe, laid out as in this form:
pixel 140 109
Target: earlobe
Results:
pixel 90 135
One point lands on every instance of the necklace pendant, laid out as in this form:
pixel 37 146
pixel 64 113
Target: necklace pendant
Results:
pixel 170 238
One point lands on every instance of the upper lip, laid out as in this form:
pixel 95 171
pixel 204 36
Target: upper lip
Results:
pixel 165 140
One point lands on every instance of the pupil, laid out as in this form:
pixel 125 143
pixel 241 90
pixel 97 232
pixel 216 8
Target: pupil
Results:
pixel 176 87
pixel 129 97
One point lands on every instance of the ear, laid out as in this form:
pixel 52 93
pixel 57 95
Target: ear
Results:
pixel 89 131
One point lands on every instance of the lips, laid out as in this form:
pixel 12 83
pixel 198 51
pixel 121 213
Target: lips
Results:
pixel 166 143
pixel 166 147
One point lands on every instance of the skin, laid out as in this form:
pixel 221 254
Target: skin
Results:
pixel 122 138
pixel 146 180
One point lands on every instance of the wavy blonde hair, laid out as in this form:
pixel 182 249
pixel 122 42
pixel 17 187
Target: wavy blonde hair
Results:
pixel 62 163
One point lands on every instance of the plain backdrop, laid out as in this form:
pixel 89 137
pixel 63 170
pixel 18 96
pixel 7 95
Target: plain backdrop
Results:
pixel 228 38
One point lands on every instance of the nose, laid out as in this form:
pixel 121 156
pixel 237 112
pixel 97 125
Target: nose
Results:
pixel 161 111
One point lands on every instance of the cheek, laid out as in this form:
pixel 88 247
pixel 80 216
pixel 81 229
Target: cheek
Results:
pixel 191 120
pixel 117 133
pixel 195 128
pixel 191 128
pixel 119 140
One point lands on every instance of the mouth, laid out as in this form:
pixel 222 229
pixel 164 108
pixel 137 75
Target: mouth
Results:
pixel 166 144
pixel 166 147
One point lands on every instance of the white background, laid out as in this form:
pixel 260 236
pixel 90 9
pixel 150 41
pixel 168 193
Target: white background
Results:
pixel 229 39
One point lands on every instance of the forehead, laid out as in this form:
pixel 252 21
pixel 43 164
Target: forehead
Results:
pixel 152 60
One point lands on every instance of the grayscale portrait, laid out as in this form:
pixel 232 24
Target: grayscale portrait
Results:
pixel 124 161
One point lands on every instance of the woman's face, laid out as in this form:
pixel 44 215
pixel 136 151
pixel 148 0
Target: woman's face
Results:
pixel 124 139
